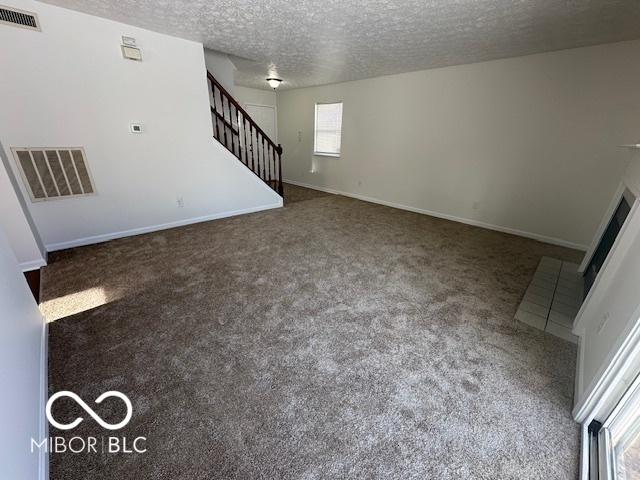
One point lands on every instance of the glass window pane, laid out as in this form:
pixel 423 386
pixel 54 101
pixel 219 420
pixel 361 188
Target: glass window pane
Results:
pixel 328 128
pixel 627 450
pixel 622 429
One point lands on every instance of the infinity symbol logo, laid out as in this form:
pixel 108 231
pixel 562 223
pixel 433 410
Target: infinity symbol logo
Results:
pixel 89 410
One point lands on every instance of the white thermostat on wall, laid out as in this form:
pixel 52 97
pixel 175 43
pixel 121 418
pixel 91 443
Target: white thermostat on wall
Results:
pixel 135 128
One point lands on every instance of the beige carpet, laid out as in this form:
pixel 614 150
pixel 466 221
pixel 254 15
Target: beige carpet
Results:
pixel 331 338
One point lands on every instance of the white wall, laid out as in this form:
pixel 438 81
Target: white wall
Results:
pixel 531 139
pixel 221 68
pixel 70 86
pixel 22 373
pixel 16 220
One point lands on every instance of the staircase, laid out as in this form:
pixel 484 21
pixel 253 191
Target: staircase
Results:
pixel 236 130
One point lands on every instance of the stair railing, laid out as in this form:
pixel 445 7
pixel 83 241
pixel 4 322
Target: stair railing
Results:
pixel 234 128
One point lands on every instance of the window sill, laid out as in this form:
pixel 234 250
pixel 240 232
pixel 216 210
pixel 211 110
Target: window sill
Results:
pixel 321 154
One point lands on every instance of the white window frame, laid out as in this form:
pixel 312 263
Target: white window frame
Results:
pixel 616 430
pixel 315 130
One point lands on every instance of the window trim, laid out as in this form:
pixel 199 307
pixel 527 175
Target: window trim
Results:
pixel 615 428
pixel 315 123
pixel 326 154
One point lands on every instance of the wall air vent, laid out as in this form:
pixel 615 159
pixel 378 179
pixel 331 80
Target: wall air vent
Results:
pixel 19 18
pixel 52 173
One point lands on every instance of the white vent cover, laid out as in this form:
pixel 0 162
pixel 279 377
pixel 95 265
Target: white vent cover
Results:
pixel 51 173
pixel 19 18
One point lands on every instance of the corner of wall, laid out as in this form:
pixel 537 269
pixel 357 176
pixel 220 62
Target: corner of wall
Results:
pixel 21 228
pixel 43 460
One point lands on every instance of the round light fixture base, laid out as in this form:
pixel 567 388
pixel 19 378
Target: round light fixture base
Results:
pixel 274 82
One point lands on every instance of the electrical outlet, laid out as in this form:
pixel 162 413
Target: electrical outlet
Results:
pixel 180 201
pixel 299 136
pixel 359 183
pixel 476 205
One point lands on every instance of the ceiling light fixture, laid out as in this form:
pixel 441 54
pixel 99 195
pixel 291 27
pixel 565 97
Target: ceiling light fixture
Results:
pixel 274 82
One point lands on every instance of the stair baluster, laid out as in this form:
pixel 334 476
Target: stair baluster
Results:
pixel 236 124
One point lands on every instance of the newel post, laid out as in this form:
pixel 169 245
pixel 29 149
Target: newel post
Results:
pixel 280 185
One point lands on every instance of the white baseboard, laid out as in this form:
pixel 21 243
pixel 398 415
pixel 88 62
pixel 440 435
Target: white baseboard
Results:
pixel 43 457
pixel 79 242
pixel 33 265
pixel 467 221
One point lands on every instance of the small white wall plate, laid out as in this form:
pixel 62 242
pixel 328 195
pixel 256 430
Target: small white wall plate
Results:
pixel 132 53
pixel 128 41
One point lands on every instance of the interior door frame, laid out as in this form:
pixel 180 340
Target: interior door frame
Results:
pixel 275 116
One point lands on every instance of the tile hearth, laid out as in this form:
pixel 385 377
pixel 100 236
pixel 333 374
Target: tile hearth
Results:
pixel 553 298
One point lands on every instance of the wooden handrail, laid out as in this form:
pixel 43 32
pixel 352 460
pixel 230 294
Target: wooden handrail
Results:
pixel 224 120
pixel 240 109
pixel 258 153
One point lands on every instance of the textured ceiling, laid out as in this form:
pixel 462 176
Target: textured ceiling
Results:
pixel 314 42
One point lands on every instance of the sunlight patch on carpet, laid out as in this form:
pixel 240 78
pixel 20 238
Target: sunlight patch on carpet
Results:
pixel 73 303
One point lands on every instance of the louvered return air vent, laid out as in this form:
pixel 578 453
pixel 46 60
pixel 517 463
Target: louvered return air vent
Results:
pixel 19 18
pixel 52 173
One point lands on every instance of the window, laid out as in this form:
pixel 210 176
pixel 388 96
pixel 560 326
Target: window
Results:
pixel 328 130
pixel 619 438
